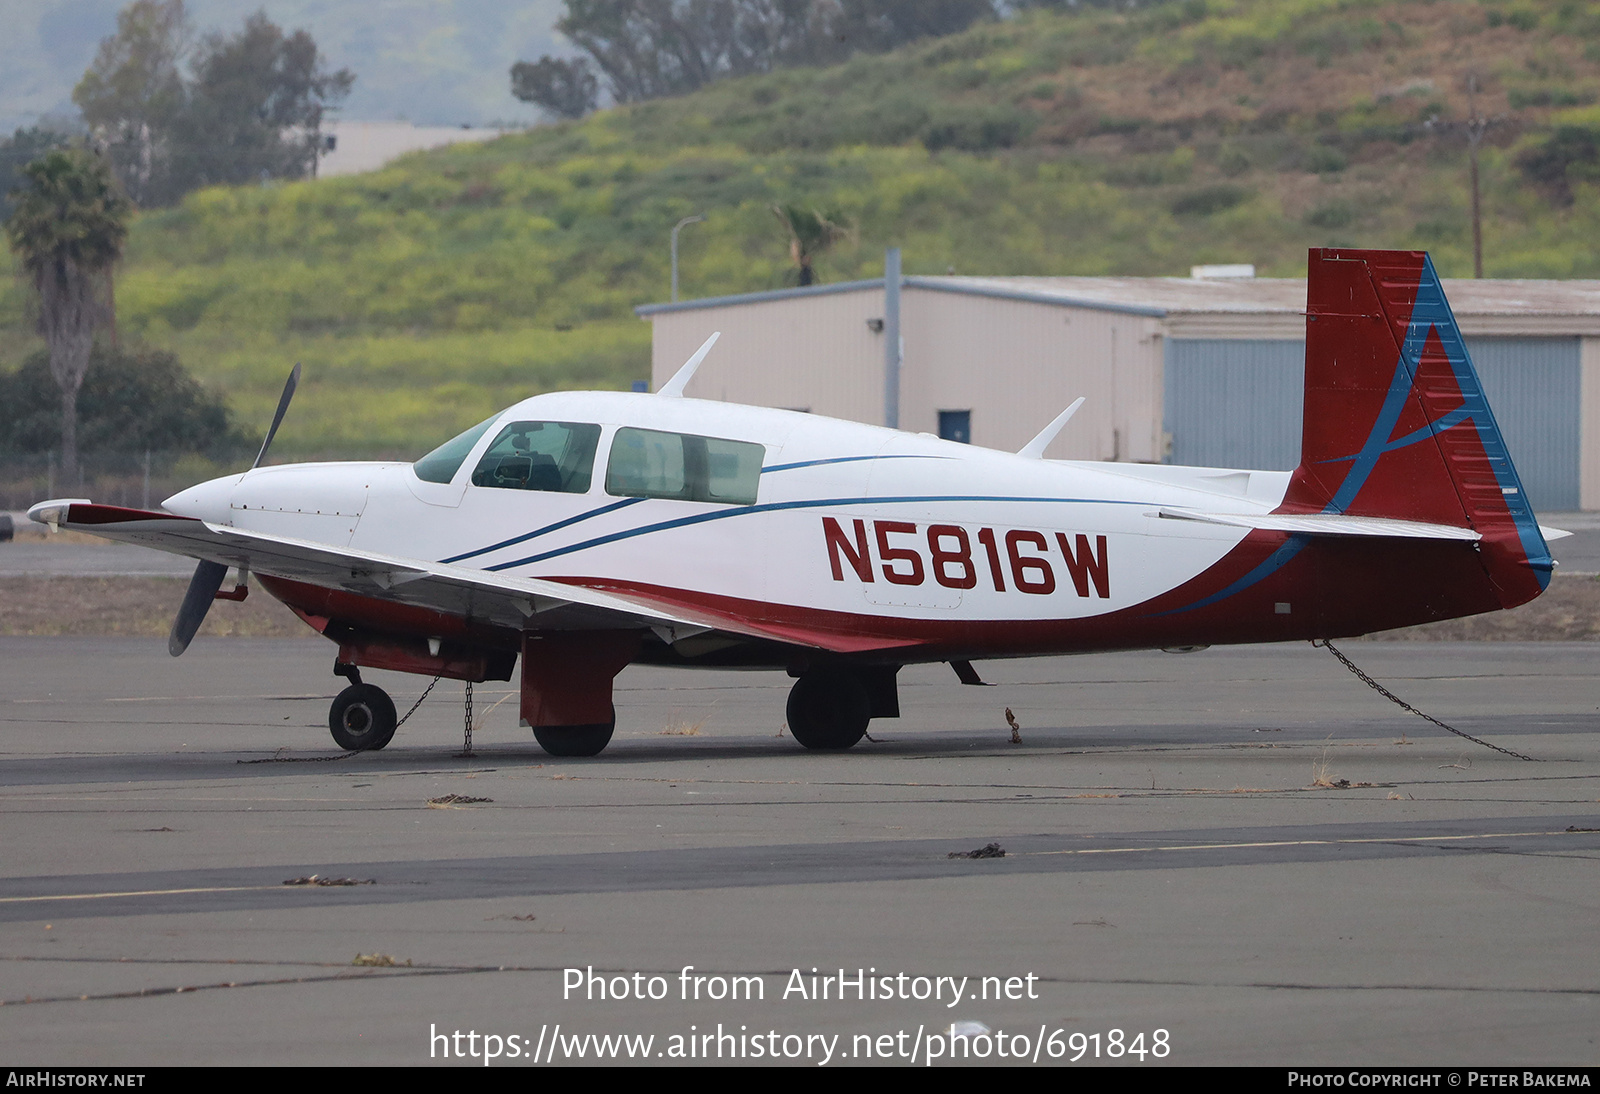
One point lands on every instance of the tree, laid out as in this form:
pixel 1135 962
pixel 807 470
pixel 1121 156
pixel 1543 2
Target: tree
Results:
pixel 133 93
pixel 810 234
pixel 17 151
pixel 131 401
pixel 68 229
pixel 566 88
pixel 875 26
pixel 651 48
pixel 174 115
pixel 647 49
pixel 255 106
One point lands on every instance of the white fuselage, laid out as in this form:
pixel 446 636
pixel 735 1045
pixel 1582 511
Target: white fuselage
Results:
pixel 848 518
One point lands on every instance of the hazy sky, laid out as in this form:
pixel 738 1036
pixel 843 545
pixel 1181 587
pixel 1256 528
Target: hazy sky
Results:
pixel 440 62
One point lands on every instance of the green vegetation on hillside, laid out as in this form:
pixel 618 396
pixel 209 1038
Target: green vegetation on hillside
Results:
pixel 426 295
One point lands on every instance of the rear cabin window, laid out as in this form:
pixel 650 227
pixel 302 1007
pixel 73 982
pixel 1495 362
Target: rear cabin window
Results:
pixel 553 456
pixel 443 462
pixel 648 464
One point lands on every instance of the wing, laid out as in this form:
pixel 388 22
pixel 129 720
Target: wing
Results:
pixel 520 603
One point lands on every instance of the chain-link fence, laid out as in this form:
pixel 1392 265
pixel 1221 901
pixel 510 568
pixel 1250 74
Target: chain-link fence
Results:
pixel 135 479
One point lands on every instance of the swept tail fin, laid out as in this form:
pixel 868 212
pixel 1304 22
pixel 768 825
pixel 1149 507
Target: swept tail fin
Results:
pixel 1396 422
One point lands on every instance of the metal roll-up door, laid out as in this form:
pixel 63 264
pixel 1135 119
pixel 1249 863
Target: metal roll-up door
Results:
pixel 1532 386
pixel 1235 402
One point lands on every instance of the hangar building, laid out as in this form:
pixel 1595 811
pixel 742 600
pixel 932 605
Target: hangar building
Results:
pixel 1205 371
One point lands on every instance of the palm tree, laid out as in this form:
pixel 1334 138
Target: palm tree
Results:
pixel 810 234
pixel 68 229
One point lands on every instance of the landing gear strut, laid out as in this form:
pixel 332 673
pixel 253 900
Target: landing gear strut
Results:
pixel 362 718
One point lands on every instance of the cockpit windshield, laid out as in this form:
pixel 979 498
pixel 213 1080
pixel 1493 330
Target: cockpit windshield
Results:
pixel 443 462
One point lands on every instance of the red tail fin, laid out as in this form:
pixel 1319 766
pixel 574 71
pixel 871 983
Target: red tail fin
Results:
pixel 1396 423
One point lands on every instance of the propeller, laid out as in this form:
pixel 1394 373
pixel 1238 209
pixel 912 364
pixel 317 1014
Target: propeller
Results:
pixel 203 588
pixel 208 576
pixel 277 418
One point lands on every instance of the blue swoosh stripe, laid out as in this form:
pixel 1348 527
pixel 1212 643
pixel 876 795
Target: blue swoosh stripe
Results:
pixel 1366 461
pixel 1269 566
pixel 556 527
pixel 747 510
pixel 614 506
pixel 1443 422
pixel 843 459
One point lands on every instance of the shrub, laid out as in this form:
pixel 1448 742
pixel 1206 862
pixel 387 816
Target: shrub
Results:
pixel 976 129
pixel 1334 215
pixel 1207 200
pixel 1521 97
pixel 1324 160
pixel 1568 154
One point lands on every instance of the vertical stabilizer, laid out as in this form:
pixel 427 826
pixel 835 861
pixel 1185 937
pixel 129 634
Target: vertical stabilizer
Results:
pixel 1396 423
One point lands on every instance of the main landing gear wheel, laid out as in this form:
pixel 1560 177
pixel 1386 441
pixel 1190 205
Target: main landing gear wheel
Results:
pixel 829 710
pixel 362 718
pixel 576 740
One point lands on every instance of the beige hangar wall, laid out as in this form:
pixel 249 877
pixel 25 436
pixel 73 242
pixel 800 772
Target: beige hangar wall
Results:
pixel 1016 364
pixel 812 352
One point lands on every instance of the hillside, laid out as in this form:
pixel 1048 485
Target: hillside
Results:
pixel 424 296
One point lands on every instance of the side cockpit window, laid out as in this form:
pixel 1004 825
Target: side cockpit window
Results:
pixel 554 456
pixel 646 463
pixel 443 462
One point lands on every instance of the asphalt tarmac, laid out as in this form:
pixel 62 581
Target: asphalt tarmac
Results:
pixel 1236 856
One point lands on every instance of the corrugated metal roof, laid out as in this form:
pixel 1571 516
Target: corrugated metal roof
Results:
pixel 1006 288
pixel 1158 296
pixel 1284 295
pixel 1022 288
pixel 644 310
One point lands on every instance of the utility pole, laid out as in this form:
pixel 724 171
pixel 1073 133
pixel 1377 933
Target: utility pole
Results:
pixel 1476 126
pixel 675 230
pixel 893 342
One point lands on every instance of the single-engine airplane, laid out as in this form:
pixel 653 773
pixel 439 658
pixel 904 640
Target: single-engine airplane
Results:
pixel 584 531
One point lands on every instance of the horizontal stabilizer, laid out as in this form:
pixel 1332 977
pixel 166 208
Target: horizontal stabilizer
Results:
pixel 1325 524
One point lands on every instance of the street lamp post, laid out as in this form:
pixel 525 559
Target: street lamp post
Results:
pixel 675 230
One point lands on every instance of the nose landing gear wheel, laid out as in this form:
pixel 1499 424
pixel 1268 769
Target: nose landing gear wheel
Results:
pixel 829 710
pixel 362 718
pixel 576 740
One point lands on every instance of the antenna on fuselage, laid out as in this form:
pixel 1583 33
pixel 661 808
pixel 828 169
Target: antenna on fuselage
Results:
pixel 673 388
pixel 1034 449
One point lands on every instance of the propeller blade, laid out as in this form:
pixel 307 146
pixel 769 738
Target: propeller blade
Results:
pixel 277 419
pixel 196 602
